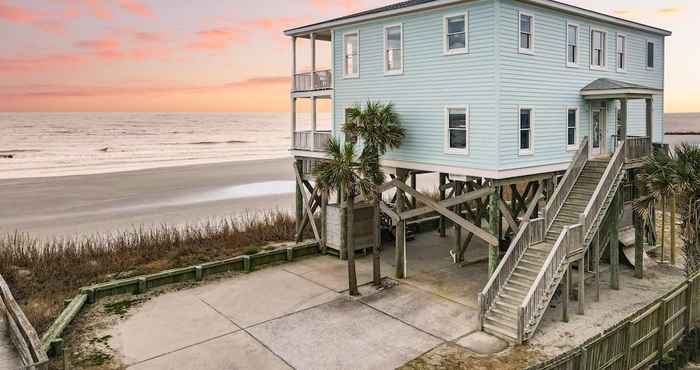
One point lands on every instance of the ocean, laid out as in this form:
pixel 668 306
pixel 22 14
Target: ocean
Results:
pixel 58 144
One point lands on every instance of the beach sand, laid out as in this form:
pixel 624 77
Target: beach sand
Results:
pixel 102 203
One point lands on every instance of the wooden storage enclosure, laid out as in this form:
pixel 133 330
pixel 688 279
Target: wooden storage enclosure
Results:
pixel 363 227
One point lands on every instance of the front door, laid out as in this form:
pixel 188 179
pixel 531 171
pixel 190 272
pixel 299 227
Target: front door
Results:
pixel 597 132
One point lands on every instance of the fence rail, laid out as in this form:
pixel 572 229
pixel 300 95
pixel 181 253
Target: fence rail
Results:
pixel 314 141
pixel 530 232
pixel 567 183
pixel 22 334
pixel 319 80
pixel 640 339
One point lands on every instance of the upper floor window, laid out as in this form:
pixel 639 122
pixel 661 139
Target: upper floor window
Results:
pixel 393 49
pixel 621 53
pixel 598 49
pixel 527 32
pixel 456 129
pixel 572 128
pixel 351 54
pixel 650 54
pixel 456 38
pixel 525 130
pixel 572 50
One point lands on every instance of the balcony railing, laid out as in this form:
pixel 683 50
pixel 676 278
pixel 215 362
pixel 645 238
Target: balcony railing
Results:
pixel 636 147
pixel 320 80
pixel 311 141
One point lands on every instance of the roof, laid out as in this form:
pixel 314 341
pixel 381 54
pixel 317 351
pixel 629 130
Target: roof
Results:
pixel 605 87
pixel 416 5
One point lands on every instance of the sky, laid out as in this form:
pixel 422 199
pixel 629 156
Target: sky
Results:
pixel 223 55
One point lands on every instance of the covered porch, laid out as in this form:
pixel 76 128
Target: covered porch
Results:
pixel 605 96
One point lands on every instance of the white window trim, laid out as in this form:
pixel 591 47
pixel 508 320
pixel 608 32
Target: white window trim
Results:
pixel 577 136
pixel 646 54
pixel 384 58
pixel 625 48
pixel 447 148
pixel 606 52
pixel 357 62
pixel 531 50
pixel 445 42
pixel 578 45
pixel 531 151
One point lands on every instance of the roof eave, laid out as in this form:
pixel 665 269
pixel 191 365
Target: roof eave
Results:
pixel 619 93
pixel 440 3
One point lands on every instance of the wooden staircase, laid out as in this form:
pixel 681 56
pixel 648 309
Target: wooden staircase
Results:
pixel 520 290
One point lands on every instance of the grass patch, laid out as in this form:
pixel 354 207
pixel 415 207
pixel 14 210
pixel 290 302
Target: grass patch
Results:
pixel 122 307
pixel 42 274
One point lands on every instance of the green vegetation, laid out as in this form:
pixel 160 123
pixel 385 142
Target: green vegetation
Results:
pixel 42 274
pixel 121 308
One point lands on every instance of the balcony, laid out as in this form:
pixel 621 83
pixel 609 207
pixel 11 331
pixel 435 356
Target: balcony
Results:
pixel 312 141
pixel 637 148
pixel 319 80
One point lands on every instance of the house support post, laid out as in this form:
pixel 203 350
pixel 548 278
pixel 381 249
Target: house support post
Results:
pixel 638 245
pixel 293 120
pixel 376 247
pixel 650 118
pixel 596 265
pixel 441 187
pixel 565 294
pixel 494 221
pixel 614 244
pixel 581 284
pixel 299 202
pixel 400 252
pixel 414 185
pixel 324 220
pixel 458 229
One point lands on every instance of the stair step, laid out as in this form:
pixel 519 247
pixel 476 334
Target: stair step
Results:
pixel 521 284
pixel 524 276
pixel 503 316
pixel 499 331
pixel 518 294
pixel 531 264
pixel 507 307
pixel 528 270
pixel 509 300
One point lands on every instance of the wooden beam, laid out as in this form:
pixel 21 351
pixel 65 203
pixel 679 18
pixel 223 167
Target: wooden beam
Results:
pixel 565 295
pixel 386 186
pixel 581 284
pixel 309 212
pixel 481 234
pixel 389 212
pixel 509 219
pixel 533 204
pixel 451 202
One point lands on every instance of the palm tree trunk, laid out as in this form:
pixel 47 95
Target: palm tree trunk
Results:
pixel 663 226
pixel 352 274
pixel 673 229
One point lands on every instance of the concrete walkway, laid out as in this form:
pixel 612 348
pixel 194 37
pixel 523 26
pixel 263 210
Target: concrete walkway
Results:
pixel 298 316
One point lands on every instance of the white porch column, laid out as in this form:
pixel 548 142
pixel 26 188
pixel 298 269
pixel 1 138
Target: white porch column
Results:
pixel 650 118
pixel 623 118
pixel 313 61
pixel 294 61
pixel 294 118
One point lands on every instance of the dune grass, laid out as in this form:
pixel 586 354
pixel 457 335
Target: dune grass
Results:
pixel 42 274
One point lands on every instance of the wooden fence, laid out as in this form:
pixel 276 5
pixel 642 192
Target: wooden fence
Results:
pixel 641 339
pixel 22 334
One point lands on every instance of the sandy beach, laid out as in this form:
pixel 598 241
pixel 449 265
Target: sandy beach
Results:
pixel 101 203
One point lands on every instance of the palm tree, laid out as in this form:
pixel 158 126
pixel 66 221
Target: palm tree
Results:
pixel 346 174
pixel 379 127
pixel 658 177
pixel 687 178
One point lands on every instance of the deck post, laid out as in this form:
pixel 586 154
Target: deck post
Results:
pixel 299 202
pixel 614 244
pixel 596 265
pixel 581 284
pixel 443 194
pixel 312 38
pixel 400 251
pixel 494 220
pixel 324 218
pixel 414 185
pixel 638 245
pixel 293 120
pixel 623 118
pixel 294 61
pixel 565 295
pixel 650 118
pixel 458 229
pixel 377 245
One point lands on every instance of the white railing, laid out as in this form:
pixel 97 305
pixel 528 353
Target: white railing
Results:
pixel 319 80
pixel 595 205
pixel 531 232
pixel 556 201
pixel 314 141
pixel 542 288
pixel 637 148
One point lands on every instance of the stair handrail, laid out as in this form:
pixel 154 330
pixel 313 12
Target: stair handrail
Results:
pixel 604 187
pixel 556 201
pixel 557 256
pixel 530 231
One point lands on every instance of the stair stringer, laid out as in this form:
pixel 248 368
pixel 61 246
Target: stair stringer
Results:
pixel 531 326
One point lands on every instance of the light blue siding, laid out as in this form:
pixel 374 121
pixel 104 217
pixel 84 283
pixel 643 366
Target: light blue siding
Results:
pixel 494 80
pixel 430 82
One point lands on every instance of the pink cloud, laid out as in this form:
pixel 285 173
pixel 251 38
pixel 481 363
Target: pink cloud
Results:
pixel 18 14
pixel 217 38
pixel 345 5
pixel 31 64
pixel 147 36
pixel 135 7
pixel 99 45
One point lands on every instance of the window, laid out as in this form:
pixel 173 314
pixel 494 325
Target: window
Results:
pixel 525 131
pixel 351 55
pixel 527 31
pixel 457 130
pixel 572 128
pixel 650 54
pixel 393 49
pixel 598 49
pixel 572 45
pixel 621 51
pixel 456 33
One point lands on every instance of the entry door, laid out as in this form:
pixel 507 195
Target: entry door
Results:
pixel 597 132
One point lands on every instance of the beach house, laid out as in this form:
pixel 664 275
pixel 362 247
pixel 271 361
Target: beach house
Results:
pixel 535 114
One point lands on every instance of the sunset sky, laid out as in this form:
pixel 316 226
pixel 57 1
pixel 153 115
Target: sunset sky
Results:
pixel 222 55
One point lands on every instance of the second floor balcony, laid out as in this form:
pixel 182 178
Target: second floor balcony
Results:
pixel 312 141
pixel 312 81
